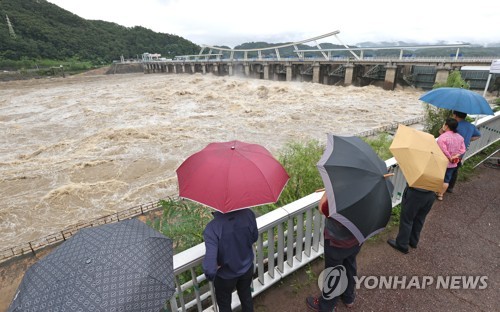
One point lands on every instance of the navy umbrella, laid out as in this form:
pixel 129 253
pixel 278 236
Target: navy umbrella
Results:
pixel 359 195
pixel 124 266
pixel 458 99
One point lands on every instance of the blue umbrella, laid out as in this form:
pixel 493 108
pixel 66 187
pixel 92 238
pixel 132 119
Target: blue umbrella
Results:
pixel 458 99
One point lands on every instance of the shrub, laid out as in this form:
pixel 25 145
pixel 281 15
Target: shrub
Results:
pixel 182 221
pixel 434 118
pixel 299 160
pixel 380 145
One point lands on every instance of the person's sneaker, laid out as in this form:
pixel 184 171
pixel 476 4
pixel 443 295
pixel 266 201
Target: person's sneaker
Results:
pixel 348 304
pixel 313 304
pixel 449 190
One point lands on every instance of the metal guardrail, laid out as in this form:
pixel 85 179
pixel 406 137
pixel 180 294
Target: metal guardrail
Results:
pixel 384 59
pixel 290 237
pixel 390 127
pixel 34 245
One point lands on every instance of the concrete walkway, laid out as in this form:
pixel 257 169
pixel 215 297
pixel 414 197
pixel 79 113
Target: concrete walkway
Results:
pixel 461 237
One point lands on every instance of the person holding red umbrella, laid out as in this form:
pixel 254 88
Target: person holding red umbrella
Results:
pixel 229 256
pixel 231 177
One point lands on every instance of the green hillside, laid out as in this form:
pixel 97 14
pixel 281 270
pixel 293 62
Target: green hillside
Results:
pixel 41 30
pixel 38 33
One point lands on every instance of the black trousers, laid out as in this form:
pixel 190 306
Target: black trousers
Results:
pixel 340 256
pixel 225 287
pixel 454 176
pixel 415 205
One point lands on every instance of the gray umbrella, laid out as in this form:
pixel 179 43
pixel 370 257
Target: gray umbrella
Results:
pixel 124 266
pixel 358 194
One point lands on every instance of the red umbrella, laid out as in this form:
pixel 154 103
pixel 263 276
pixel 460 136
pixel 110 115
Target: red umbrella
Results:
pixel 228 176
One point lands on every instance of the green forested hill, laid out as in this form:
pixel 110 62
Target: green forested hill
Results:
pixel 32 30
pixel 42 30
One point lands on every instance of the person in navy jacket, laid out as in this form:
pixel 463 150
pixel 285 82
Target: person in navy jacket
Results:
pixel 228 261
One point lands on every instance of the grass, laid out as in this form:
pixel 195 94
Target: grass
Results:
pixel 181 220
pixel 25 64
pixel 467 169
pixel 380 145
pixel 184 221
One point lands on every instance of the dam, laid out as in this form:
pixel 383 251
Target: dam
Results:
pixel 341 66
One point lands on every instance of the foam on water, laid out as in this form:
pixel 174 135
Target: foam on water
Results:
pixel 78 148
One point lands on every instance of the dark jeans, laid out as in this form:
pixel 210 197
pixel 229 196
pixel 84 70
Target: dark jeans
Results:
pixel 340 256
pixel 454 176
pixel 415 205
pixel 224 288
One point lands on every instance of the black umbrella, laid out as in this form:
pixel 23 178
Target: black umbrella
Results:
pixel 358 194
pixel 124 266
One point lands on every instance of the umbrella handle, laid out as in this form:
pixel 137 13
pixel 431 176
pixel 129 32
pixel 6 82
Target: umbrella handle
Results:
pixel 388 175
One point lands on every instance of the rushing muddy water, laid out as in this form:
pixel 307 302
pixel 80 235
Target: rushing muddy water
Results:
pixel 73 149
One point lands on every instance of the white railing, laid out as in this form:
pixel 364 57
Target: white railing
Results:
pixel 289 238
pixel 385 59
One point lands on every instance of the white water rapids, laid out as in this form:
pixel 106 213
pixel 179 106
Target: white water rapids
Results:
pixel 77 148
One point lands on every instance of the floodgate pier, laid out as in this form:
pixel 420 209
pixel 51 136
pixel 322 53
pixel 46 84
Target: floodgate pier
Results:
pixel 340 66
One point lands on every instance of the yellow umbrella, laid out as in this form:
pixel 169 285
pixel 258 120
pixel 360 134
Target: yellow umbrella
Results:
pixel 420 158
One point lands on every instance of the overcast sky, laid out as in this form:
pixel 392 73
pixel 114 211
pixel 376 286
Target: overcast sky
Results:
pixel 232 22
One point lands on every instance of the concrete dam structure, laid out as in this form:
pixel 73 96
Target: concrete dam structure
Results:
pixel 328 67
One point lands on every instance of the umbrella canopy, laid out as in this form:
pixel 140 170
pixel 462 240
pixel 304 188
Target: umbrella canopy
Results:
pixel 458 99
pixel 124 266
pixel 233 175
pixel 358 194
pixel 420 158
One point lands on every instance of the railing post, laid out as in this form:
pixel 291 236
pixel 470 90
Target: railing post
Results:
pixel 196 289
pixel 308 236
pixel 260 259
pixel 300 237
pixel 290 241
pixel 316 229
pixel 281 247
pixel 270 252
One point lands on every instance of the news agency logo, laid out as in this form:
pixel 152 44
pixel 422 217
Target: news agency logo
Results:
pixel 422 282
pixel 333 282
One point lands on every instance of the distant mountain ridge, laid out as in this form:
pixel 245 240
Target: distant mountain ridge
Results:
pixel 37 29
